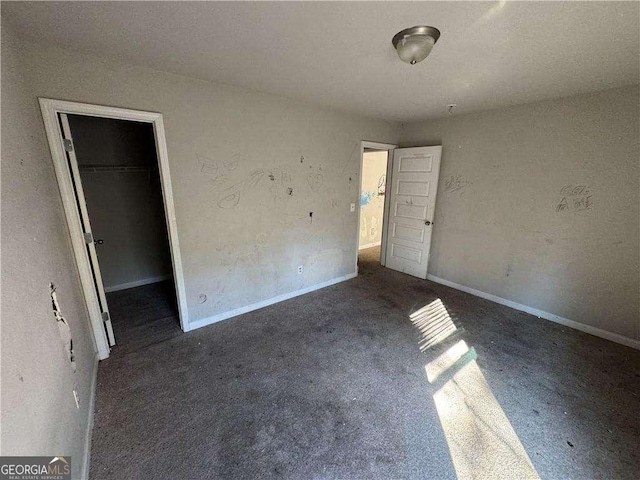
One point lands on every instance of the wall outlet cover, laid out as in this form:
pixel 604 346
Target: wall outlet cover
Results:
pixel 353 207
pixel 300 270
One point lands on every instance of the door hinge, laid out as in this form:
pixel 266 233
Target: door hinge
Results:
pixel 68 145
pixel 105 317
pixel 88 237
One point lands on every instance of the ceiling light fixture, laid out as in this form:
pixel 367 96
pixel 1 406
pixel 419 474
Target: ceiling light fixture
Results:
pixel 414 44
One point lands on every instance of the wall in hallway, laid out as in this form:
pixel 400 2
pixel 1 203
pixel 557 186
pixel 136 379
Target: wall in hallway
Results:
pixel 374 179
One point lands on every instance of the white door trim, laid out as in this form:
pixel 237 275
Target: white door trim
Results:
pixel 81 202
pixel 378 146
pixel 50 110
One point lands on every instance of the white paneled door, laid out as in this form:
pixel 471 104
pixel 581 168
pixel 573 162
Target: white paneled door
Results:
pixel 414 184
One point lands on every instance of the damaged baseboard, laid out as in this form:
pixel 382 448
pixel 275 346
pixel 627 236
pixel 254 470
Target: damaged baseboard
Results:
pixel 137 283
pixel 598 332
pixel 265 303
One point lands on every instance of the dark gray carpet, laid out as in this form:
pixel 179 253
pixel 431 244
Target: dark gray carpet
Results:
pixel 332 385
pixel 143 316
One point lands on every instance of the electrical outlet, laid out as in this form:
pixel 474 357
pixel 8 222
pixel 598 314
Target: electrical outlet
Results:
pixel 353 207
pixel 300 270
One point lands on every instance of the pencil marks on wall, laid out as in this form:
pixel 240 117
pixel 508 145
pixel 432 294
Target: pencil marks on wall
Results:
pixel 456 183
pixel 382 185
pixel 315 180
pixel 218 171
pixel 230 197
pixel 280 182
pixel 574 198
pixel 575 190
pixel 280 185
pixel 368 196
pixel 261 208
pixel 252 255
pixel 229 201
pixel 373 230
pixel 364 226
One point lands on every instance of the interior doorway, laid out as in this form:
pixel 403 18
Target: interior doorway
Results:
pixel 119 177
pixel 372 200
pixel 112 170
pixel 407 195
pixel 373 203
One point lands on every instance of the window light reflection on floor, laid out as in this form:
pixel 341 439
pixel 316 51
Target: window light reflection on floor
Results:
pixel 481 440
pixel 434 323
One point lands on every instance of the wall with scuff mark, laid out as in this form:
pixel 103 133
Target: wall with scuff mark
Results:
pixel 374 179
pixel 248 169
pixel 539 204
pixel 39 346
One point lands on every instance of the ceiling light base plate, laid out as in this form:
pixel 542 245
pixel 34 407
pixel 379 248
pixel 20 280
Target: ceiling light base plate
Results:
pixel 422 30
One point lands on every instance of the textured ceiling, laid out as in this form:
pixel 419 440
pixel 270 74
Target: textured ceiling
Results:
pixel 490 54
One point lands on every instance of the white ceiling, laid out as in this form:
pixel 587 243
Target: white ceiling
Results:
pixel 490 54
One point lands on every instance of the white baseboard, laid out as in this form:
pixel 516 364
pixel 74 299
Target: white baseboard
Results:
pixel 265 303
pixel 87 441
pixel 598 332
pixel 137 283
pixel 369 245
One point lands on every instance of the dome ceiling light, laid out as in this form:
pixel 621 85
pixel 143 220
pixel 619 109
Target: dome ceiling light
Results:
pixel 414 44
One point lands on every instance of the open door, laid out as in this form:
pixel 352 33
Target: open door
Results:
pixel 412 200
pixel 86 225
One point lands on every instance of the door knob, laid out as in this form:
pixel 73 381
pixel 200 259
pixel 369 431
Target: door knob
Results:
pixel 99 242
pixel 427 222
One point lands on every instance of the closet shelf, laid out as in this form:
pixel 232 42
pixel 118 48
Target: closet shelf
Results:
pixel 115 168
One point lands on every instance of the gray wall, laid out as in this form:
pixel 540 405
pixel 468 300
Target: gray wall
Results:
pixel 125 206
pixel 539 204
pixel 39 414
pixel 234 154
